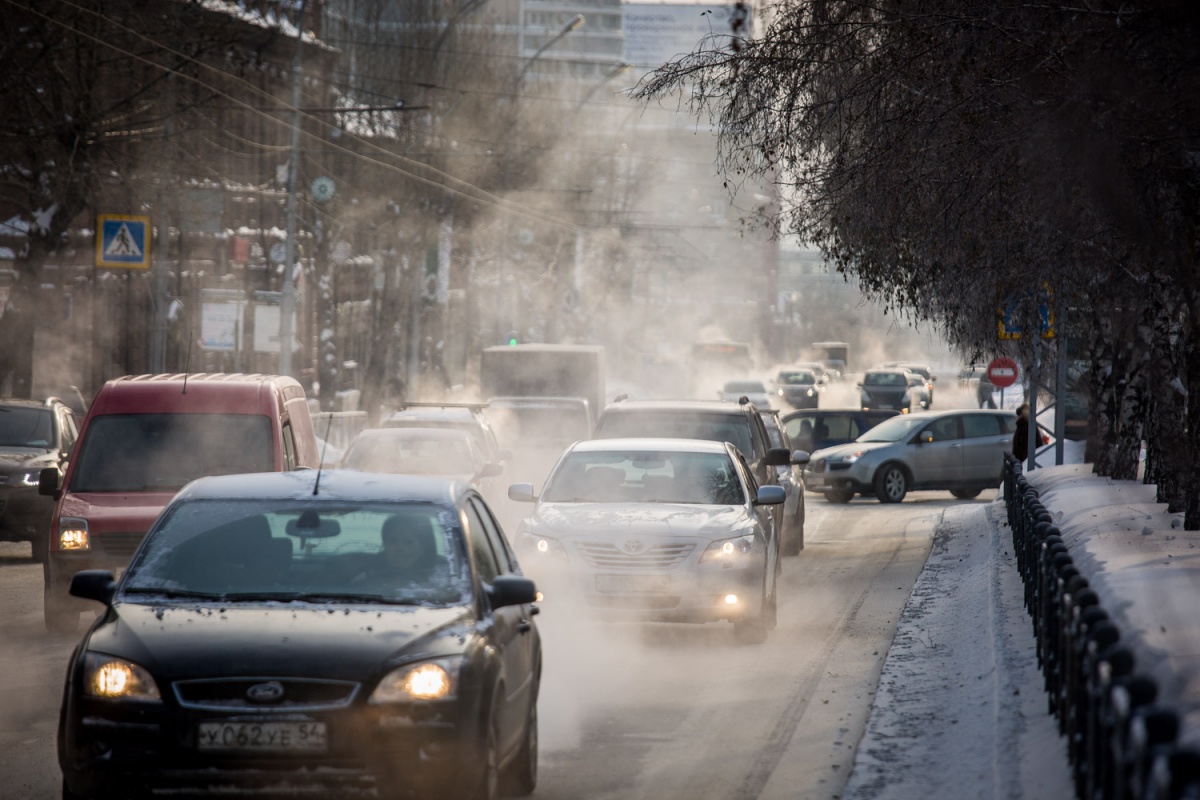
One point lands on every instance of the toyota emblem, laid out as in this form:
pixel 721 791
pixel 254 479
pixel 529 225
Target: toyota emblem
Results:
pixel 270 692
pixel 633 546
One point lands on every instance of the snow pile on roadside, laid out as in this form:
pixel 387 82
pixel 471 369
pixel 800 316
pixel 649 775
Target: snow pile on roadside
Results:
pixel 960 709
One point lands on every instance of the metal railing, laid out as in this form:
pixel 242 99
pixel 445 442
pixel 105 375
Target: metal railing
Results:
pixel 1122 743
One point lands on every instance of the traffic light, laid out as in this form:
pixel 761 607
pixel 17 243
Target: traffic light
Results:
pixel 512 339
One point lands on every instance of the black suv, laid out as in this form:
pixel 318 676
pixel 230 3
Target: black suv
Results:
pixel 737 423
pixel 33 435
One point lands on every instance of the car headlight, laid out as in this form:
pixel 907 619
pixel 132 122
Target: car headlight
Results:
pixel 543 546
pixel 73 534
pixel 113 678
pixel 727 549
pixel 811 392
pixel 427 680
pixel 847 459
pixel 25 478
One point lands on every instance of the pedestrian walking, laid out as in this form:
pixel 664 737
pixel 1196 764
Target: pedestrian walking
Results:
pixel 983 392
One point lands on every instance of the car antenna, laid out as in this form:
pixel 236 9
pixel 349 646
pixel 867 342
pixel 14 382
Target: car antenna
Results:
pixel 324 446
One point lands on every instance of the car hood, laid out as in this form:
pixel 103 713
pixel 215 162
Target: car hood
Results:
pixel 848 448
pixel 567 520
pixel 278 639
pixel 13 459
pixel 118 511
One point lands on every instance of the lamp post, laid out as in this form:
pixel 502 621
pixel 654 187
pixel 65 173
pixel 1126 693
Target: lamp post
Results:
pixel 575 23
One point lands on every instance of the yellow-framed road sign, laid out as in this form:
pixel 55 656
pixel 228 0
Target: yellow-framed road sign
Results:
pixel 123 240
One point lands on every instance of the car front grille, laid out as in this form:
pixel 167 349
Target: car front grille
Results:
pixel 293 694
pixel 818 466
pixel 605 555
pixel 118 544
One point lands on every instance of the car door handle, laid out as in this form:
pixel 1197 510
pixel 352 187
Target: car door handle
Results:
pixel 524 626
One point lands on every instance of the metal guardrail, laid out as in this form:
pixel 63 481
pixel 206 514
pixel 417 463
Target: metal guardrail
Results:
pixel 1122 744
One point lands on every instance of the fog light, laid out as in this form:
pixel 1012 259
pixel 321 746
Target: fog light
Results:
pixel 731 599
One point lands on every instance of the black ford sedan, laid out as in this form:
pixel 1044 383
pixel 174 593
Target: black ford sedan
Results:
pixel 347 633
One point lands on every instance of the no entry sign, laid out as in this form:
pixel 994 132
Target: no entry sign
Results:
pixel 1002 372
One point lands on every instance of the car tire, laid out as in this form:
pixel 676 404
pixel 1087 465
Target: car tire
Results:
pixel 793 543
pixel 40 547
pixel 891 483
pixel 519 778
pixel 753 630
pixel 839 496
pixel 485 784
pixel 60 617
pixel 966 494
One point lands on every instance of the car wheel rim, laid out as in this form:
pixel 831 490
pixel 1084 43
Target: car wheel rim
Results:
pixel 894 483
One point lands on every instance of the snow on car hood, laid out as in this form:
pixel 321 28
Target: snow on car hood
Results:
pixel 565 520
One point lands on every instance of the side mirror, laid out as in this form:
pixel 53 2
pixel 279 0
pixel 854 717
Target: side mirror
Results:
pixel 859 384
pixel 522 493
pixel 511 590
pixel 777 457
pixel 925 437
pixel 48 482
pixel 94 584
pixel 491 470
pixel 800 457
pixel 933 378
pixel 770 496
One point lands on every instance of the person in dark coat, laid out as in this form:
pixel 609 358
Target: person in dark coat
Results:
pixel 983 392
pixel 1020 445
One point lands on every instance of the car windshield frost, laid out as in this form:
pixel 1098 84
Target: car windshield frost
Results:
pixel 638 476
pixel 892 430
pixel 256 550
pixel 25 427
pixel 162 452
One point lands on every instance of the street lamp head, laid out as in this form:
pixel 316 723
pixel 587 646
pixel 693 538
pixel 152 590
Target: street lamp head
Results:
pixel 575 24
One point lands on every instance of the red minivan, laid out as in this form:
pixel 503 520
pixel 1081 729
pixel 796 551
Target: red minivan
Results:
pixel 143 438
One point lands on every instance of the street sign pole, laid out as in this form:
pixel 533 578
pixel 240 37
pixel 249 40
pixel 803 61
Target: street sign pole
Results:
pixel 288 304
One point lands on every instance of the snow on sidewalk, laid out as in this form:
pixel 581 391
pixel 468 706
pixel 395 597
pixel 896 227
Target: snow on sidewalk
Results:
pixel 961 710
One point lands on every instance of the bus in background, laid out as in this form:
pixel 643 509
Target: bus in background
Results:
pixel 717 361
pixel 834 355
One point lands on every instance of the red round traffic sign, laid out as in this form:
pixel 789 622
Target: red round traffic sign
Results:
pixel 1003 371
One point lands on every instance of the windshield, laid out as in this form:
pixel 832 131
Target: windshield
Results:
pixel 296 550
pixel 892 430
pixel 26 427
pixel 796 379
pixel 645 477
pixel 162 452
pixel 885 379
pixel 679 425
pixel 411 455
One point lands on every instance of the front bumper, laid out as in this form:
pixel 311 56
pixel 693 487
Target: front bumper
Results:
pixel 429 748
pixel 698 596
pixel 820 479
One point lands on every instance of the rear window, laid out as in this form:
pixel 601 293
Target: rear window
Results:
pixel 678 425
pixel 162 452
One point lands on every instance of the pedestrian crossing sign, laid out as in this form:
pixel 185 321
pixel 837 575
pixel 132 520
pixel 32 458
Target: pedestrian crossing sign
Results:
pixel 122 240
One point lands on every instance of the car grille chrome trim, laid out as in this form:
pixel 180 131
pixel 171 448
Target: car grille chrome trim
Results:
pixel 230 694
pixel 606 555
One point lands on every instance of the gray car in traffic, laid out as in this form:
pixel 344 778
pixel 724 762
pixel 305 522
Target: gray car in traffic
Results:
pixel 961 451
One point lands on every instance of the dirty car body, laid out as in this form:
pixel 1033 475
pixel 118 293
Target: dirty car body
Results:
pixel 259 642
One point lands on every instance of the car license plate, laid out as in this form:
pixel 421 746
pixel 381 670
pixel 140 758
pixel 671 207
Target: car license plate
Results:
pixel 262 737
pixel 632 584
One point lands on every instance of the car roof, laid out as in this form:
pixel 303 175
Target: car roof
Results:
pixel 440 413
pixel 19 402
pixel 656 445
pixel 829 412
pixel 537 402
pixel 717 406
pixel 416 432
pixel 335 485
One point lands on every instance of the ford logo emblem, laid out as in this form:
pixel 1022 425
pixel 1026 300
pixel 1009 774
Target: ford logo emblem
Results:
pixel 633 547
pixel 271 692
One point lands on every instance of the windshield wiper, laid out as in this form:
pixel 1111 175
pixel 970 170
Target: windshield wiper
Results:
pixel 173 592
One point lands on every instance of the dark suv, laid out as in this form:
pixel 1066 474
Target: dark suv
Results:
pixel 33 436
pixel 737 423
